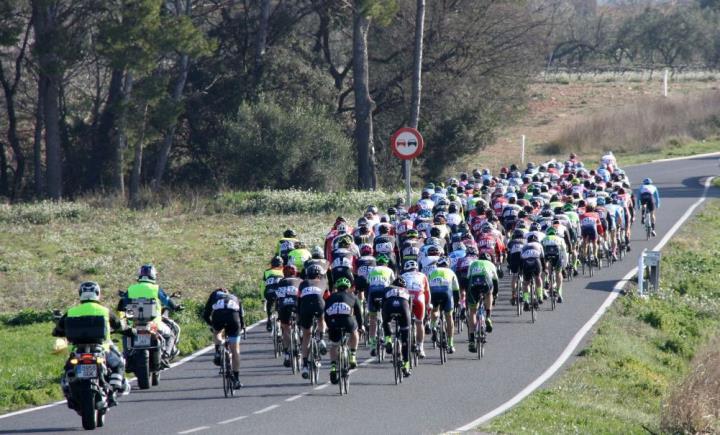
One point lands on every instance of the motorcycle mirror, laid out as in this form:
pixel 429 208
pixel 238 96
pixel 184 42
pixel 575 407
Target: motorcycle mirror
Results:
pixel 177 294
pixel 57 314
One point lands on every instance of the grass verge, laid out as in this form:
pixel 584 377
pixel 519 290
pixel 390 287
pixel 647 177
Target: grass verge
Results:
pixel 197 244
pixel 641 350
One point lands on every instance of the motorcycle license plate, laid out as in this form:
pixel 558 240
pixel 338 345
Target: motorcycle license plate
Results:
pixel 86 371
pixel 142 340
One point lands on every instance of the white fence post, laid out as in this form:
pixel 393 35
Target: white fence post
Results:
pixel 522 152
pixel 665 83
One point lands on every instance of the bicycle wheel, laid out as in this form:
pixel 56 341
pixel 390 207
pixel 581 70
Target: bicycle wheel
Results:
pixel 277 342
pixel 340 367
pixel 552 289
pixel 395 360
pixel 533 300
pixel 293 348
pixel 229 371
pixel 442 337
pixel 311 360
pixel 412 344
pixel 518 295
pixel 223 374
pixel 481 338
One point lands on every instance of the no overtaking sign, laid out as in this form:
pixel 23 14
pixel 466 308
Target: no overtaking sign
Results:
pixel 407 143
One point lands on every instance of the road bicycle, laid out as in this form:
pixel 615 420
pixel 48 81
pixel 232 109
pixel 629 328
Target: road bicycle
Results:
pixel 646 216
pixel 294 344
pixel 397 361
pixel 480 330
pixel 276 335
pixel 441 341
pixel 314 353
pixel 343 363
pixel 226 372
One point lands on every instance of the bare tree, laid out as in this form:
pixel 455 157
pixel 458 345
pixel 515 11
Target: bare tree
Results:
pixel 363 101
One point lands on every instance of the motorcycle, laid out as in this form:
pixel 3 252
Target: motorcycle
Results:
pixel 85 382
pixel 143 352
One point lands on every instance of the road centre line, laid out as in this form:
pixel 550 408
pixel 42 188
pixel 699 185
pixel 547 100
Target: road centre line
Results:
pixel 195 429
pixel 269 408
pixel 233 419
pixel 569 350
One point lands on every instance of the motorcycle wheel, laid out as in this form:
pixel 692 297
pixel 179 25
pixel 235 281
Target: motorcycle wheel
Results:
pixel 141 365
pixel 87 404
pixel 155 379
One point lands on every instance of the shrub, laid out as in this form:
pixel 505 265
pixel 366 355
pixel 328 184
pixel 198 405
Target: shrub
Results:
pixel 270 146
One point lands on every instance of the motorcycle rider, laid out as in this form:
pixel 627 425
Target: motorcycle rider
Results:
pixel 88 308
pixel 147 287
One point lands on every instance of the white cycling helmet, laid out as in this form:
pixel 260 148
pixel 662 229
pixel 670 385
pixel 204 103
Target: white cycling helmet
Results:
pixel 89 291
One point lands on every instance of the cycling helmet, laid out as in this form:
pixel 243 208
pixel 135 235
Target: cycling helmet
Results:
pixel 290 234
pixel 392 211
pixel 89 291
pixel 443 262
pixel 382 259
pixel 290 270
pixel 399 282
pixel 547 213
pixel 362 222
pixel 472 250
pixel 433 251
pixel 551 231
pixel 647 181
pixel 485 256
pixel 342 229
pixel 343 284
pixel 384 228
pixel 411 234
pixel 534 226
pixel 532 237
pixel 317 252
pixel 518 234
pixel 147 273
pixel 371 209
pixel 521 223
pixel 410 265
pixel 314 271
pixel 568 207
pixel 434 241
pixel 366 250
pixel 276 261
pixel 435 232
pixel 601 201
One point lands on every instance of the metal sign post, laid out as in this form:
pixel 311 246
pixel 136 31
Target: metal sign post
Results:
pixel 406 144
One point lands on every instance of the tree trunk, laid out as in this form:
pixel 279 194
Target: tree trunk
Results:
pixel 177 97
pixel 3 170
pixel 120 136
pixel 12 136
pixel 261 41
pixel 417 64
pixel 363 102
pixel 45 24
pixel 137 163
pixel 37 140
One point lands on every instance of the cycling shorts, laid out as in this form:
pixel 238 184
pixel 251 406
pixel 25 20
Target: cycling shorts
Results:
pixel 477 291
pixel 285 312
pixel 375 297
pixel 646 199
pixel 311 306
pixel 589 232
pixel 418 309
pixel 443 300
pixel 338 323
pixel 531 268
pixel 554 261
pixel 228 321
pixel 456 298
pixel 515 263
pixel 399 307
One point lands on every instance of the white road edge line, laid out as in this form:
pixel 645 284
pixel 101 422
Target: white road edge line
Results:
pixel 190 357
pixel 565 355
pixel 296 397
pixel 269 408
pixel 686 157
pixel 195 429
pixel 233 419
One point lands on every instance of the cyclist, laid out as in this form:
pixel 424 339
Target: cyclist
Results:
pixel 286 244
pixel 317 257
pixel 590 229
pixel 483 282
pixel 311 304
pixel 343 312
pixel 556 256
pixel 224 313
pixel 417 284
pixel 443 282
pixel 650 199
pixel 384 244
pixel 533 266
pixel 268 285
pixel 396 300
pixel 84 314
pixel 344 261
pixel 299 255
pixel 379 278
pixel 365 264
pixel 514 260
pixel 287 293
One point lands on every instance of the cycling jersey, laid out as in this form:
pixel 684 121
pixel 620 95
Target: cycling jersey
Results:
pixel 342 312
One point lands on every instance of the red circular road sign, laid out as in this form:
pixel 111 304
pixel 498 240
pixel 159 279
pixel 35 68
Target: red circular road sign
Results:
pixel 407 143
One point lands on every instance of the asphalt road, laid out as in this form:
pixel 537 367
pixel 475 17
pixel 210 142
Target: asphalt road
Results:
pixel 435 399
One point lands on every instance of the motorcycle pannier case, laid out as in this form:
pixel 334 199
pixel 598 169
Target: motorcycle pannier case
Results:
pixel 87 329
pixel 143 309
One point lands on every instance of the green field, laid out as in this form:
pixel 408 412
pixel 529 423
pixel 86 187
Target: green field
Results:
pixel 47 249
pixel 641 348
